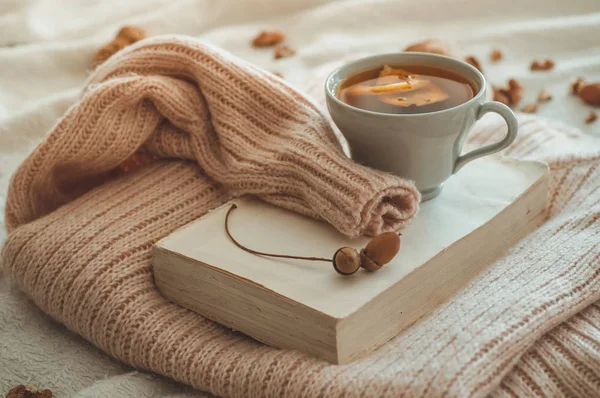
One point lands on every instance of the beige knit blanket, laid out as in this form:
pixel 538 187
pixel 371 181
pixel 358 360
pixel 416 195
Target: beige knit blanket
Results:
pixel 83 255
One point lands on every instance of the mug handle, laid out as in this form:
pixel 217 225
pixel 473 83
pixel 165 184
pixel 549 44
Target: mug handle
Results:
pixel 513 127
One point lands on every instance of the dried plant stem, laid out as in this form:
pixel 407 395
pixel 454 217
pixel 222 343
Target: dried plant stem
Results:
pixel 233 207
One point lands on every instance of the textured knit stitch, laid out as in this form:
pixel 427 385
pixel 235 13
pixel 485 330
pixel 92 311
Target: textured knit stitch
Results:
pixel 529 324
pixel 246 129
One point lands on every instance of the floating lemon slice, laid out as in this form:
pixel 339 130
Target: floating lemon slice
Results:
pixel 402 86
pixel 427 96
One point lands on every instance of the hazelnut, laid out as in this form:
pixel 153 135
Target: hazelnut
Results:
pixel 132 34
pixel 380 251
pixel 346 261
pixel 590 93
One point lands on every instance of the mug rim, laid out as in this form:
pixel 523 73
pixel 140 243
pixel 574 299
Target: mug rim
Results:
pixel 337 70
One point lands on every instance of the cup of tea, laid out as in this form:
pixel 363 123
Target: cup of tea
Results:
pixel 409 114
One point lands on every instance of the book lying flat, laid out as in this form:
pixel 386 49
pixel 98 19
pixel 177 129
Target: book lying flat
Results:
pixel 483 210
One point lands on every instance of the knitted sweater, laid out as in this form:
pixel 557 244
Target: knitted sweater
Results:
pixel 528 324
pixel 249 132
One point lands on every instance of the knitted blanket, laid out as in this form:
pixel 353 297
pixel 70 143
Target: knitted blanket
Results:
pixel 79 242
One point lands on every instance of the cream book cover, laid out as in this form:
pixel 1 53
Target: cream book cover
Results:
pixel 307 306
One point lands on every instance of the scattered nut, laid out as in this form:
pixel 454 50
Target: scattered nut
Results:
pixel 500 96
pixel 509 95
pixel 268 38
pixel 22 391
pixel 282 51
pixel 125 37
pixel 546 65
pixel 474 62
pixel 132 34
pixel 544 96
pixel 530 108
pixel 576 85
pixel 590 93
pixel 433 46
pixel 278 74
pixel 591 118
pixel 496 55
pixel 379 251
pixel 515 91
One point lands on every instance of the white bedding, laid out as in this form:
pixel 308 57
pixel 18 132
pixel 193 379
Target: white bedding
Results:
pixel 42 75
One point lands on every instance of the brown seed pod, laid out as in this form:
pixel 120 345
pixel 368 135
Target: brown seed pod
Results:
pixel 590 93
pixel 132 34
pixel 346 261
pixel 380 251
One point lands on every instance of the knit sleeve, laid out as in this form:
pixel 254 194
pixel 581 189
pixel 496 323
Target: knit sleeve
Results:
pixel 245 128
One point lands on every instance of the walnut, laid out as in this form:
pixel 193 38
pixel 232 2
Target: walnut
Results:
pixel 433 46
pixel 591 118
pixel 126 36
pixel 496 55
pixel 544 96
pixel 509 95
pixel 530 108
pixel 471 60
pixel 501 96
pixel 576 85
pixel 590 93
pixel 282 51
pixel 268 38
pixel 546 65
pixel 515 91
pixel 22 391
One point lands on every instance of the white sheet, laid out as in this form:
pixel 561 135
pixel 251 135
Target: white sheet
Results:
pixel 42 76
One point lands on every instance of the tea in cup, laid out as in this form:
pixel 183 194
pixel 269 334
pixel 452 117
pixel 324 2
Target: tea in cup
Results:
pixel 409 114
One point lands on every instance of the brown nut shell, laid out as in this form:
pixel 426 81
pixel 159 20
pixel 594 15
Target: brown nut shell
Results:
pixel 367 263
pixel 382 248
pixel 346 261
pixel 132 34
pixel 590 93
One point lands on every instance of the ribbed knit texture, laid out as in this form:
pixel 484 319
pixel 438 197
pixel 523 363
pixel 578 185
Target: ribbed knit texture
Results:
pixel 247 130
pixel 529 324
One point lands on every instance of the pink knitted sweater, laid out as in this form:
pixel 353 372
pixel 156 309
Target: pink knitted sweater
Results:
pixel 247 130
pixel 223 128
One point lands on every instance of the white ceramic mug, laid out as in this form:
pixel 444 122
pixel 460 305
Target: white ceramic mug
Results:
pixel 424 147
